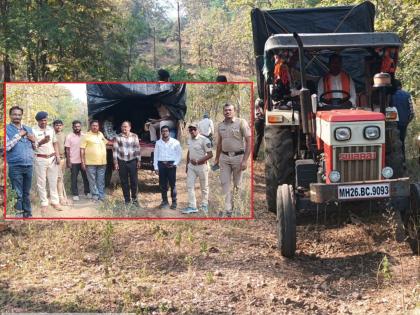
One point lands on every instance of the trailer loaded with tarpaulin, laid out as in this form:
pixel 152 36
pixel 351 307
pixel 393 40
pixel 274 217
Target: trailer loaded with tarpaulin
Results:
pixel 106 98
pixel 340 19
pixel 135 102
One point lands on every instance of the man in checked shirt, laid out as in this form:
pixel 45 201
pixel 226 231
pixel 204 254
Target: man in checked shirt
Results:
pixel 127 160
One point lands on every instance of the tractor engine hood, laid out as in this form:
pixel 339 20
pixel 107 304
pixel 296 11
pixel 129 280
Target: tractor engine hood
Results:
pixel 355 121
pixel 344 115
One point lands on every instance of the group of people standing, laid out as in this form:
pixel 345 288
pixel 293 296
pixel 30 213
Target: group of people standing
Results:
pixel 232 153
pixel 47 152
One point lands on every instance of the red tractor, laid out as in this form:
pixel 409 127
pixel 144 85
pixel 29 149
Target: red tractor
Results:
pixel 320 148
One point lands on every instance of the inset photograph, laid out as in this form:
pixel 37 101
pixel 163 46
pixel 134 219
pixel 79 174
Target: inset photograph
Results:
pixel 158 150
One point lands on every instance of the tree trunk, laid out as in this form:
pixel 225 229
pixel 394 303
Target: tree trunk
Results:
pixel 179 39
pixel 154 47
pixel 7 66
pixel 7 69
pixel 43 60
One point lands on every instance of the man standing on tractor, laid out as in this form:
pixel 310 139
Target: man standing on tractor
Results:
pixel 403 101
pixel 163 75
pixel 337 83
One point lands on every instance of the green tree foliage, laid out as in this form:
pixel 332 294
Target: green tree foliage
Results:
pixel 401 17
pixel 1 116
pixel 46 40
pixel 52 98
pixel 97 40
pixel 220 36
pixel 61 40
pixel 210 98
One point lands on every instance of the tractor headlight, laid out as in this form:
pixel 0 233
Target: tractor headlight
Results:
pixel 387 172
pixel 334 176
pixel 391 114
pixel 342 134
pixel 371 132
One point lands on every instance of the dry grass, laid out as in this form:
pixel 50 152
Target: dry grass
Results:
pixel 209 267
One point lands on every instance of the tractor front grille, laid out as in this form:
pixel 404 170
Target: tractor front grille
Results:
pixel 358 169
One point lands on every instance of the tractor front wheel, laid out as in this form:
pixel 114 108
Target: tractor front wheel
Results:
pixel 286 220
pixel 279 162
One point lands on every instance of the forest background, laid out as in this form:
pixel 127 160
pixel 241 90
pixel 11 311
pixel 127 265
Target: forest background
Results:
pixel 189 267
pixel 127 40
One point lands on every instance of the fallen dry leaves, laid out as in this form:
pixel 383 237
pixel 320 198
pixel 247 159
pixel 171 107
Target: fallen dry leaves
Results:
pixel 206 267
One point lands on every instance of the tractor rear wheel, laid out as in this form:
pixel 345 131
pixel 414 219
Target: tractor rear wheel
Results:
pixel 286 220
pixel 393 148
pixel 279 162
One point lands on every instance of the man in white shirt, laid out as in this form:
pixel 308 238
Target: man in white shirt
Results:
pixel 167 156
pixel 206 127
pixel 47 161
pixel 337 80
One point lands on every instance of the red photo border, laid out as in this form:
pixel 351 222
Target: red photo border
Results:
pixel 251 217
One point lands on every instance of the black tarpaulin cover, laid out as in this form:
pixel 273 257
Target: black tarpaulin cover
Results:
pixel 101 97
pixel 340 19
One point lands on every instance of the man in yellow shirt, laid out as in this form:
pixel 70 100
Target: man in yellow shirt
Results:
pixel 93 154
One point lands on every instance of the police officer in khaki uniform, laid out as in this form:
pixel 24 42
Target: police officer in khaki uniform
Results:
pixel 47 161
pixel 233 150
pixel 199 151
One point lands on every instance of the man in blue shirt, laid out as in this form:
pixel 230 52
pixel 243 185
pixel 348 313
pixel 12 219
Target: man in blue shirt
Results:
pixel 404 103
pixel 20 144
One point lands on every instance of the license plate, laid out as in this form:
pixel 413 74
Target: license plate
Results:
pixel 363 191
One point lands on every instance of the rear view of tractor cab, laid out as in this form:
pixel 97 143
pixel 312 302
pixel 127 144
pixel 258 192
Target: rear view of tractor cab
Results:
pixel 330 132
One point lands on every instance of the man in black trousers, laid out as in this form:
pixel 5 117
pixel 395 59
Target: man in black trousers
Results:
pixel 127 159
pixel 73 160
pixel 166 157
pixel 259 124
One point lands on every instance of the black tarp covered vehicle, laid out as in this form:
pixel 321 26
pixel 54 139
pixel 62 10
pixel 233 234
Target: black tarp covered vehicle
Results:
pixel 135 102
pixel 340 19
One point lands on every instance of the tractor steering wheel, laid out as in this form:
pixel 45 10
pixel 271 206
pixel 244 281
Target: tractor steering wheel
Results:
pixel 335 101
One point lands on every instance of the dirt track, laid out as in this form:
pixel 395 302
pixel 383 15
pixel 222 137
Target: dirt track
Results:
pixel 149 197
pixel 207 267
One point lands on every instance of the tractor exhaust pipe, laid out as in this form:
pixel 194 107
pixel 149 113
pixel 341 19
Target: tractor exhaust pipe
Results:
pixel 301 56
pixel 305 95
